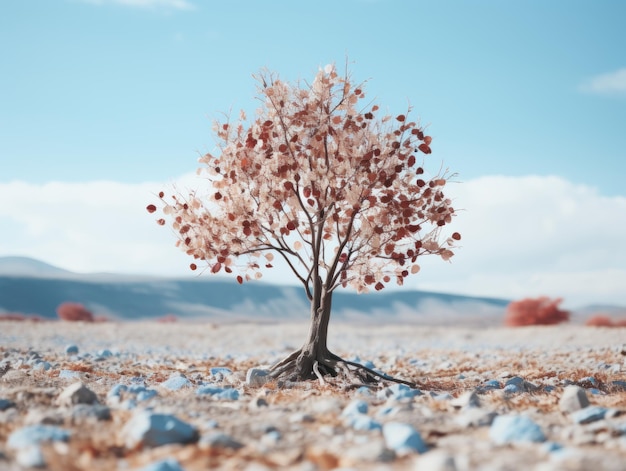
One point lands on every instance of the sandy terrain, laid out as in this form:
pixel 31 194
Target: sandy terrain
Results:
pixel 309 426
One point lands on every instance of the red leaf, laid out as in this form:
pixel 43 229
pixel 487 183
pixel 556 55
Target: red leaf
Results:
pixel 428 140
pixel 161 222
pixel 411 161
pixel 193 266
pixel 282 148
pixel 161 194
pixel 456 236
pixel 291 226
pixel 151 208
pixel 239 279
pixel 217 267
pixel 424 148
pixel 379 286
pixel 401 118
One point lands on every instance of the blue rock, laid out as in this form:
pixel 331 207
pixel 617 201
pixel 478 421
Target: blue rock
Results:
pixel 167 464
pixel 256 377
pixel 595 392
pixel 589 414
pixel 515 429
pixel 6 404
pixel 96 411
pixel 355 407
pixel 146 394
pixel 105 353
pixel 228 394
pixel 220 440
pixel 220 371
pixel 490 385
pixel 42 366
pixel 117 390
pixel 69 374
pixel 36 434
pixel 174 383
pixel 362 422
pixel 399 392
pixel 363 391
pixel 71 349
pixel 403 439
pixel 149 429
pixel 512 389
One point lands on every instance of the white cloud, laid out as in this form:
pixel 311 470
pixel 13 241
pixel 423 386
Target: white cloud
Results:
pixel 531 236
pixel 175 4
pixel 522 236
pixel 613 83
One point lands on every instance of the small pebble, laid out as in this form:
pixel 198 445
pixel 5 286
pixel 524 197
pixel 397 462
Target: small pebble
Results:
pixel 36 434
pixel 167 464
pixel 573 398
pixel 71 349
pixel 175 383
pixel 403 438
pixel 256 377
pixel 150 429
pixel 515 429
pixel 77 393
pixel 220 440
pixel 589 414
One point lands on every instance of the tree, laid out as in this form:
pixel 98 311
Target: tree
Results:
pixel 74 312
pixel 535 311
pixel 337 193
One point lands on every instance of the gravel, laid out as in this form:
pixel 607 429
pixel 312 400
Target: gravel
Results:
pixel 148 396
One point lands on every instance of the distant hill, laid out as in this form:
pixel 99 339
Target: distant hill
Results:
pixel 25 266
pixel 33 287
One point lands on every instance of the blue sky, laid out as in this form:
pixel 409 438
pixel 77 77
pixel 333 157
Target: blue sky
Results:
pixel 526 101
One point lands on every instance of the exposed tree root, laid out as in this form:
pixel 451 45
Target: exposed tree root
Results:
pixel 299 366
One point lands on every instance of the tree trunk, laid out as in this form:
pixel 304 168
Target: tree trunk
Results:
pixel 315 348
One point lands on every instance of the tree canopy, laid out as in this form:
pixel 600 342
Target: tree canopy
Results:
pixel 321 180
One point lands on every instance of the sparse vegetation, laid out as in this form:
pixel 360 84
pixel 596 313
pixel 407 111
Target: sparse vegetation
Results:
pixel 603 320
pixel 535 311
pixel 74 312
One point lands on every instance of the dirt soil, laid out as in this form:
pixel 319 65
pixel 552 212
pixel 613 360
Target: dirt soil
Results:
pixel 301 426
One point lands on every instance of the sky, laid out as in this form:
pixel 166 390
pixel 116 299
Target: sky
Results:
pixel 105 102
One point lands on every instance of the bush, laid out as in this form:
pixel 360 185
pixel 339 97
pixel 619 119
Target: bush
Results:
pixel 167 319
pixel 74 312
pixel 535 311
pixel 602 320
pixel 18 316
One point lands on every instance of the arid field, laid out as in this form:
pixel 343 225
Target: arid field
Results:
pixel 168 396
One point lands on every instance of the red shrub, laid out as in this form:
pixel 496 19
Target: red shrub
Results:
pixel 167 319
pixel 535 311
pixel 101 318
pixel 13 316
pixel 602 320
pixel 599 320
pixel 18 316
pixel 74 312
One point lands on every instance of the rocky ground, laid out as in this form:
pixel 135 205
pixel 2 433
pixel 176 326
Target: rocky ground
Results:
pixel 192 396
